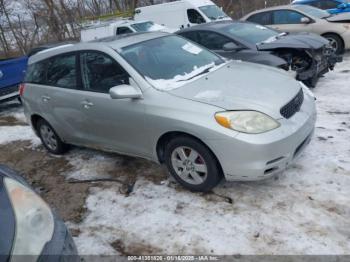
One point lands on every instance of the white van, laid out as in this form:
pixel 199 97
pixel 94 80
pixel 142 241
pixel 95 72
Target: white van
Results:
pixel 181 14
pixel 100 30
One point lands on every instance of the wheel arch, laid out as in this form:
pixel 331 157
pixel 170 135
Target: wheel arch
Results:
pixel 336 34
pixel 165 138
pixel 34 119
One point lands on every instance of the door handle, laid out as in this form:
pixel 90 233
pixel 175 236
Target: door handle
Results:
pixel 45 99
pixel 87 104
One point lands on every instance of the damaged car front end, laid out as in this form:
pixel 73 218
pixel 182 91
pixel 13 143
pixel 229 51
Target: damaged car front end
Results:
pixel 307 56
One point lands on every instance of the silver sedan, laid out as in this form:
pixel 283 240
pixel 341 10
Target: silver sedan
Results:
pixel 164 98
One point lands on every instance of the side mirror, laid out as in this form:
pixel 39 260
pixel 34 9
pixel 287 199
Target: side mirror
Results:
pixel 305 20
pixel 124 92
pixel 229 47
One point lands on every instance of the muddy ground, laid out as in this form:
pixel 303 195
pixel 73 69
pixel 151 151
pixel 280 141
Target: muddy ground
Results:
pixel 46 173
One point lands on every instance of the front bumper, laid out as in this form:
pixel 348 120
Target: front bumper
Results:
pixel 254 157
pixel 323 61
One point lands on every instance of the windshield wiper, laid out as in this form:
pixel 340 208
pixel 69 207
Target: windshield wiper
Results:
pixel 205 71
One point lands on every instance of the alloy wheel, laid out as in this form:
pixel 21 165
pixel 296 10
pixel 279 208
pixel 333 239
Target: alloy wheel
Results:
pixel 333 43
pixel 189 165
pixel 49 137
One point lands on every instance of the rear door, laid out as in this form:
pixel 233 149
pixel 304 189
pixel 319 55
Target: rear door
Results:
pixel 115 125
pixel 61 97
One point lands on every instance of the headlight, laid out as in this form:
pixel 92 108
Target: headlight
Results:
pixel 34 220
pixel 251 122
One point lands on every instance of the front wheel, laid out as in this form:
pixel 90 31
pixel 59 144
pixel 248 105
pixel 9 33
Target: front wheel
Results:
pixel 192 164
pixel 336 43
pixel 50 139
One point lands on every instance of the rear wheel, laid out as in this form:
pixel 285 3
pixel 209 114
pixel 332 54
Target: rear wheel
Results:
pixel 336 43
pixel 192 164
pixel 50 139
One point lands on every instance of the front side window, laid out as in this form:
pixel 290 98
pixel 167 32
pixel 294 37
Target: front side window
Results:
pixel 195 17
pixel 123 31
pixel 287 17
pixel 170 58
pixel 61 71
pixel 251 33
pixel 213 41
pixel 264 18
pixel 100 72
pixel 36 73
pixel 213 12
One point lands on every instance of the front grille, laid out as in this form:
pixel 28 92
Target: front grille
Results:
pixel 293 106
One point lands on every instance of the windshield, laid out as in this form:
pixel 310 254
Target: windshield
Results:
pixel 251 33
pixel 312 11
pixel 170 59
pixel 146 27
pixel 213 12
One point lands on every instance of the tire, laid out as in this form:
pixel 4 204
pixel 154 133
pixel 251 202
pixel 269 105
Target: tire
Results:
pixel 192 164
pixel 336 42
pixel 50 139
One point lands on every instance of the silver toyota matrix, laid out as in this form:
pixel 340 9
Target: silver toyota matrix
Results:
pixel 166 99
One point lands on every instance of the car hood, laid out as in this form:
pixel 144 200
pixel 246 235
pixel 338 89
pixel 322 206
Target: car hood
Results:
pixel 300 41
pixel 243 86
pixel 340 18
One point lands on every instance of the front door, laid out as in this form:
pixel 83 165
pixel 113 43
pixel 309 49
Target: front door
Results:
pixel 115 125
pixel 290 21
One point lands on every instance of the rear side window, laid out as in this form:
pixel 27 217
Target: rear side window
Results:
pixel 100 72
pixel 36 73
pixel 61 71
pixel 264 18
pixel 195 17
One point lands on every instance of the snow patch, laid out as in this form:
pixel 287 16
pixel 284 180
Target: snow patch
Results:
pixel 210 95
pixel 10 134
pixel 181 80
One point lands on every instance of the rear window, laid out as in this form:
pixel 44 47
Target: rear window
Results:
pixel 62 71
pixel 36 73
